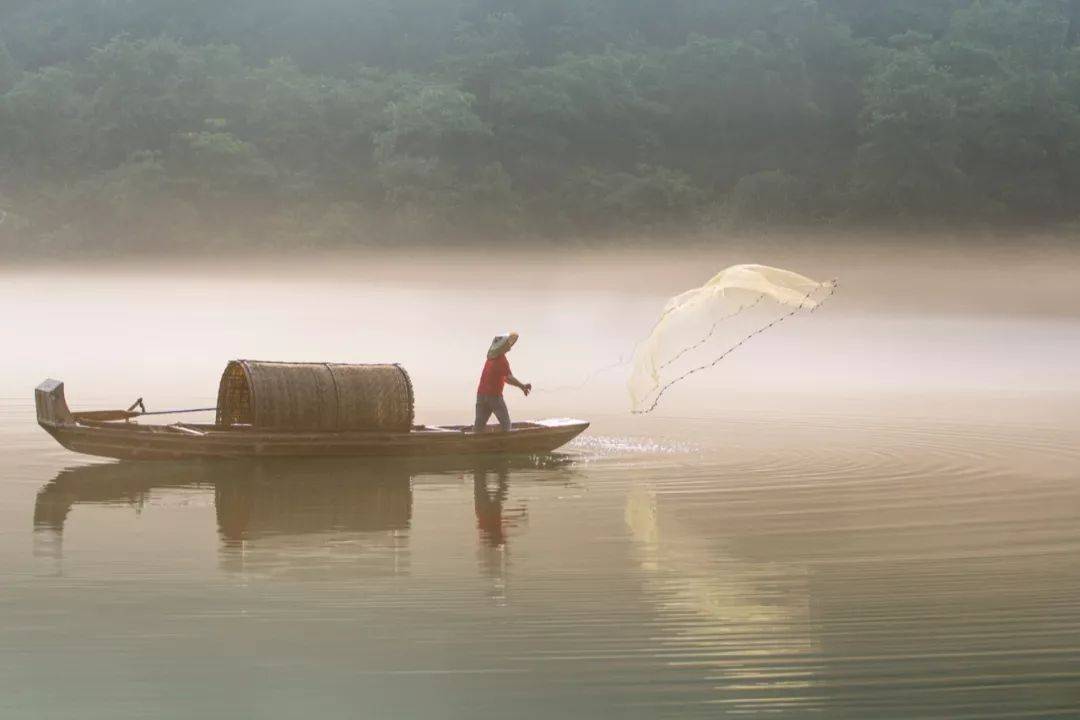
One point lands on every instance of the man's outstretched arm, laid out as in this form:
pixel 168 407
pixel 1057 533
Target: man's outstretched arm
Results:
pixel 525 387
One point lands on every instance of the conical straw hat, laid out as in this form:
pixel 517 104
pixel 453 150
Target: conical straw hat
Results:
pixel 501 343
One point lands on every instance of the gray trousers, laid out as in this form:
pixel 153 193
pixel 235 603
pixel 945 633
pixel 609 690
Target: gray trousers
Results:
pixel 485 406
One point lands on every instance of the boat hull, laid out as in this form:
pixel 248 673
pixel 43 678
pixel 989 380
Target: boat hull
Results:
pixel 129 441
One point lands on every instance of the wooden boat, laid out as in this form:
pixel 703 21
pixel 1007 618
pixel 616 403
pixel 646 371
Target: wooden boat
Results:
pixel 294 410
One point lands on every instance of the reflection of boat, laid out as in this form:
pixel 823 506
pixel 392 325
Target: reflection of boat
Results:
pixel 252 499
pixel 292 409
pixel 257 499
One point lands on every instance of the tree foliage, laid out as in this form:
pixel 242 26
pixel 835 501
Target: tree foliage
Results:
pixel 161 123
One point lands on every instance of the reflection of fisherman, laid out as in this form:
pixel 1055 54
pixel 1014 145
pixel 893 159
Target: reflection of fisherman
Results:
pixel 489 508
pixel 496 374
pixel 493 518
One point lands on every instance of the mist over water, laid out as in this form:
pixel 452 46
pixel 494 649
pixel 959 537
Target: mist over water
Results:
pixel 868 512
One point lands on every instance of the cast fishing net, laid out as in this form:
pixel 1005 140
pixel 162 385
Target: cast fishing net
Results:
pixel 701 327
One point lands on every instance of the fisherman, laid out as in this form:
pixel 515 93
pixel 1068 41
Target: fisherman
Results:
pixel 496 374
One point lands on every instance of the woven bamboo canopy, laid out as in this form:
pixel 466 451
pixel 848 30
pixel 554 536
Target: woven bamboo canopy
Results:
pixel 323 397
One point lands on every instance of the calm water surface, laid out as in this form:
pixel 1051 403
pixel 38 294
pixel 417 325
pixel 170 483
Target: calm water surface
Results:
pixel 871 514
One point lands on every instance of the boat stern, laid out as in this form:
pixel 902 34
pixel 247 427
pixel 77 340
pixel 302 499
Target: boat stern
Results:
pixel 52 407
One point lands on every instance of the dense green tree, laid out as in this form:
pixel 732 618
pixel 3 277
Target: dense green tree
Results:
pixel 43 130
pixel 9 73
pixel 160 123
pixel 907 163
pixel 881 21
pixel 1019 118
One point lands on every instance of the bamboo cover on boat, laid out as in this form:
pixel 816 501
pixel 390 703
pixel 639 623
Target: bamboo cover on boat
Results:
pixel 315 396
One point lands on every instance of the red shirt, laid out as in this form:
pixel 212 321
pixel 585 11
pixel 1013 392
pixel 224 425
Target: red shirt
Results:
pixel 492 380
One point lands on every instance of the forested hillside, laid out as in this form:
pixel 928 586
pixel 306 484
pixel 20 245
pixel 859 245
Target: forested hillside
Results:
pixel 172 123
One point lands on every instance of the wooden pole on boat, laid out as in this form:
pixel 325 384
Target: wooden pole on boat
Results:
pixel 178 412
pixel 143 411
pixel 110 415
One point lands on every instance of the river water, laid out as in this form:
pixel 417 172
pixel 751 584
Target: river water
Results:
pixel 870 512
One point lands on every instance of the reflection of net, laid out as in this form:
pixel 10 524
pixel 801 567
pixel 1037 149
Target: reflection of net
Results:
pixel 777 294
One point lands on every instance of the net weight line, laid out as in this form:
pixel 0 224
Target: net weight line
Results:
pixel 693 371
pixel 624 360
pixel 712 331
